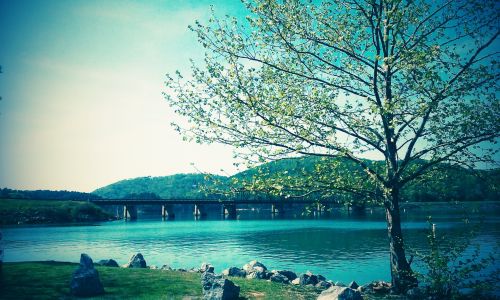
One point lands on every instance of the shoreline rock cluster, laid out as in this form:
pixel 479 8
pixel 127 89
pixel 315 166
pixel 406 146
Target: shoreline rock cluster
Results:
pixel 219 286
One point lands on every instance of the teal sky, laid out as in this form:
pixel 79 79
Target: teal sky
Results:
pixel 81 90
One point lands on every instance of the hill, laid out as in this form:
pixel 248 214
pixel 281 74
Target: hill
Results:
pixel 166 187
pixel 449 183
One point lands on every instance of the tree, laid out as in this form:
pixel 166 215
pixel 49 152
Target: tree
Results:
pixel 406 81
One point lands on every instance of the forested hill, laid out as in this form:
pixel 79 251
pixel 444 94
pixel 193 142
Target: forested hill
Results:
pixel 167 187
pixel 451 184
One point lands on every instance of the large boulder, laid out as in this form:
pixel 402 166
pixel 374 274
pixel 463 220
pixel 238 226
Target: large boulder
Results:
pixel 206 267
pixel 136 261
pixel 276 277
pixel 256 270
pixel 288 274
pixel 85 281
pixel 308 278
pixel 108 263
pixel 214 287
pixel 340 293
pixel 234 271
pixel 258 275
pixel 254 265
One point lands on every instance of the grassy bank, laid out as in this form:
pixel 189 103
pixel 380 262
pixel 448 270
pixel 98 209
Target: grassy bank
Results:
pixel 20 211
pixel 50 280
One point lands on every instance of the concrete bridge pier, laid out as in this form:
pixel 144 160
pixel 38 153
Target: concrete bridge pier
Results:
pixel 277 208
pixel 130 212
pixel 229 210
pixel 199 210
pixel 167 211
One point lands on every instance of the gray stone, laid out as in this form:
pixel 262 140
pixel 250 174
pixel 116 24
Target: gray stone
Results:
pixel 279 278
pixel 136 261
pixel 340 293
pixel 234 271
pixel 380 287
pixel 323 284
pixel 288 274
pixel 206 267
pixel 153 267
pixel 249 268
pixel 166 268
pixel 321 278
pixel 308 278
pixel 257 275
pixel 108 263
pixel 85 280
pixel 214 287
pixel 353 285
pixel 296 281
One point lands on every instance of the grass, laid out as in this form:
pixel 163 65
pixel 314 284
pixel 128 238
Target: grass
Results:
pixel 20 211
pixel 50 280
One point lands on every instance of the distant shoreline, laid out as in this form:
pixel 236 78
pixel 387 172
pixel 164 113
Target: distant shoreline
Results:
pixel 33 212
pixel 43 212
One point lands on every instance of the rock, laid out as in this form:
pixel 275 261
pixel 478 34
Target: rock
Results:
pixel 217 288
pixel 108 263
pixel 85 280
pixel 323 284
pixel 321 278
pixel 136 261
pixel 340 293
pixel 257 275
pixel 256 270
pixel 166 268
pixel 353 285
pixel 308 278
pixel 181 270
pixel 234 271
pixel 153 267
pixel 380 287
pixel 288 274
pixel 206 267
pixel 279 278
pixel 296 281
pixel 249 268
pixel 340 283
pixel 194 270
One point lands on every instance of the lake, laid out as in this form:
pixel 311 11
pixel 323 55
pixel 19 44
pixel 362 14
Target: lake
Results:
pixel 341 247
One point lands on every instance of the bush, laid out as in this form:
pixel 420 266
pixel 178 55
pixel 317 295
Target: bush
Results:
pixel 456 269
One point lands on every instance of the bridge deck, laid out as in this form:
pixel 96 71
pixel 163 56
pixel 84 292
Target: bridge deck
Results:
pixel 202 201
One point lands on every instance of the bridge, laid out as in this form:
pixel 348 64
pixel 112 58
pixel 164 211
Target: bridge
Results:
pixel 228 206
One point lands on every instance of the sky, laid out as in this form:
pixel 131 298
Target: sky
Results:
pixel 81 88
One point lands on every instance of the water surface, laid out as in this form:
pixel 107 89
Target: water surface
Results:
pixel 341 247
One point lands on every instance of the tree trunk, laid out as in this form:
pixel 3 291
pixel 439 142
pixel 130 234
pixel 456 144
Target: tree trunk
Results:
pixel 402 276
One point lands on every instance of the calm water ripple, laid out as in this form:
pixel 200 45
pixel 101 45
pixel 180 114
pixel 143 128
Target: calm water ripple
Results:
pixel 344 248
